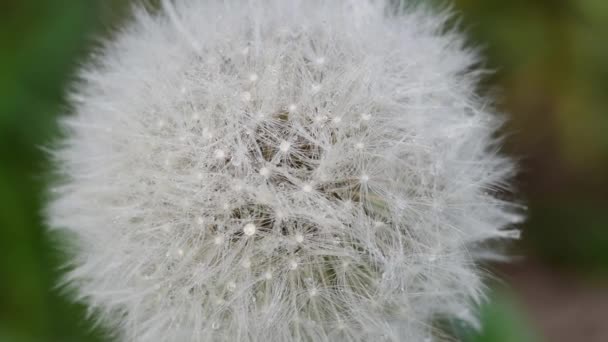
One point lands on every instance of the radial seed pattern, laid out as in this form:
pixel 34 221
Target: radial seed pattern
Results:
pixel 280 171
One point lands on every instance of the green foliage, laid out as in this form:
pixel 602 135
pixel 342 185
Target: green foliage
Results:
pixel 502 321
pixel 40 42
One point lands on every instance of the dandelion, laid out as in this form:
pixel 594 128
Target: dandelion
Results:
pixel 280 171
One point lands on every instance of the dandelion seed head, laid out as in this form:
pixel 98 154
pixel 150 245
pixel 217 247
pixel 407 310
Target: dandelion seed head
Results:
pixel 280 171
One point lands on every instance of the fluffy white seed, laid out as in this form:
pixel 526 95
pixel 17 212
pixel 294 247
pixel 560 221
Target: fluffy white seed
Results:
pixel 231 286
pixel 219 154
pixel 246 96
pixel 265 171
pixel 284 146
pixel 307 188
pixel 249 229
pixel 293 265
pixel 299 238
pixel 315 88
pixel 284 171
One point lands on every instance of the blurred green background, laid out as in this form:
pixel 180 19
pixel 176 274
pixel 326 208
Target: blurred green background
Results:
pixel 551 63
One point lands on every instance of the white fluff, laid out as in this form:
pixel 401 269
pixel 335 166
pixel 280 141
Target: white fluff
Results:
pixel 280 171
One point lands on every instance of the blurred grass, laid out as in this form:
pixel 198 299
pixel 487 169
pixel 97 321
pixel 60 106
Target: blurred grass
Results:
pixel 40 43
pixel 552 73
pixel 501 321
pixel 551 61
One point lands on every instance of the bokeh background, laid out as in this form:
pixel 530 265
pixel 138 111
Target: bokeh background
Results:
pixel 551 75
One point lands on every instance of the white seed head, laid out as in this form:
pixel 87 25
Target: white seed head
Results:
pixel 248 197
